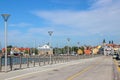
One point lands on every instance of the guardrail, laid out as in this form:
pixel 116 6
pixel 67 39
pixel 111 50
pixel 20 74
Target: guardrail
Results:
pixel 22 62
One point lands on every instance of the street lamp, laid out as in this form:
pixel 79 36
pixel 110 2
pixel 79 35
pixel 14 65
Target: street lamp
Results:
pixel 68 39
pixel 50 34
pixel 5 17
pixel 78 44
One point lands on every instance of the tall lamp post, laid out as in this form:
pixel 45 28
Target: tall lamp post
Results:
pixel 68 51
pixel 68 39
pixel 50 34
pixel 5 17
pixel 78 44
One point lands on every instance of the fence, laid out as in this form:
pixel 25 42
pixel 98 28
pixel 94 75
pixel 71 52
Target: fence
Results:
pixel 22 62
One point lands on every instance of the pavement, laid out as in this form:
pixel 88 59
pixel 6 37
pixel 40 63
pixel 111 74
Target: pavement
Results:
pixel 98 68
pixel 117 69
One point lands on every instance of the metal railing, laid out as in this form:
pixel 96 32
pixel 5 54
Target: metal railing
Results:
pixel 22 62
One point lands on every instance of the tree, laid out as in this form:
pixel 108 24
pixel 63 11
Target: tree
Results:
pixel 26 51
pixel 33 50
pixel 10 46
pixel 9 49
pixel 74 48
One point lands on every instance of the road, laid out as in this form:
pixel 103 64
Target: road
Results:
pixel 99 68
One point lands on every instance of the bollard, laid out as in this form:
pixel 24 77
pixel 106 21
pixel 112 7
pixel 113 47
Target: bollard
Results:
pixel 51 59
pixel 44 60
pixel 0 63
pixel 34 61
pixel 39 60
pixel 55 59
pixel 27 61
pixel 48 59
pixel 58 59
pixel 11 62
pixel 20 61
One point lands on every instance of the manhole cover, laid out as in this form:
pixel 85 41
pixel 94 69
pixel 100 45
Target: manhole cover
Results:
pixel 55 70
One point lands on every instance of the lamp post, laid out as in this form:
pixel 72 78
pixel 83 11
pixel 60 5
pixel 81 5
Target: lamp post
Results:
pixel 68 40
pixel 5 17
pixel 78 44
pixel 50 34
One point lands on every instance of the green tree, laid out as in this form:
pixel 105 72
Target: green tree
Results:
pixel 36 51
pixel 9 48
pixel 26 51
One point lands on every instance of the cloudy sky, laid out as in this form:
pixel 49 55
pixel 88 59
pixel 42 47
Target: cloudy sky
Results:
pixel 84 21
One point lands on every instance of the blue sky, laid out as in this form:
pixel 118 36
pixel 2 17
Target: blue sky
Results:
pixel 84 21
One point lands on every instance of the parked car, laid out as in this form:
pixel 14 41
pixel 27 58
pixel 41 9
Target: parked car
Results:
pixel 116 56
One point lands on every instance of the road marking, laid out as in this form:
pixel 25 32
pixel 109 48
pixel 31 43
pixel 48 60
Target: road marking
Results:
pixel 83 71
pixel 77 74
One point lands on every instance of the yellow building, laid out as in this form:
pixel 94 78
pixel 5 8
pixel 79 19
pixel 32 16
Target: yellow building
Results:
pixel 80 51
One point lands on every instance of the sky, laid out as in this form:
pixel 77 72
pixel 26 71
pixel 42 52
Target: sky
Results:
pixel 84 21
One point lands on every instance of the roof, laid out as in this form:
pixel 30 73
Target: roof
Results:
pixel 44 47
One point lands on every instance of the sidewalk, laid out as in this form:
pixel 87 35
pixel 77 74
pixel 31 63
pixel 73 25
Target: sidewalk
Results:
pixel 117 69
pixel 24 72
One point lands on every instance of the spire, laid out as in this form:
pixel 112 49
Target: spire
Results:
pixel 104 41
pixel 109 42
pixel 112 42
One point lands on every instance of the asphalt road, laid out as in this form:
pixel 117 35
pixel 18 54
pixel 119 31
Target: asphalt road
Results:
pixel 100 68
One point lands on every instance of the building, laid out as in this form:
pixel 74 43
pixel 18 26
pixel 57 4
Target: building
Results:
pixel 110 48
pixel 45 50
pixel 17 51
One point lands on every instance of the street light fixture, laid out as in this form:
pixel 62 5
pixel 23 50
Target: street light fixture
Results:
pixel 50 34
pixel 5 17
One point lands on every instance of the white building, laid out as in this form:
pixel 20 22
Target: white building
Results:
pixel 108 50
pixel 45 50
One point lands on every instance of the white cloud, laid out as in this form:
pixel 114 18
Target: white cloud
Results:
pixel 21 25
pixel 101 3
pixel 104 19
pixel 39 30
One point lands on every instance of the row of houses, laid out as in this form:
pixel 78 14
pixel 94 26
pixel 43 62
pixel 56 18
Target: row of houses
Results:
pixel 16 50
pixel 104 48
pixel 110 49
pixel 46 50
